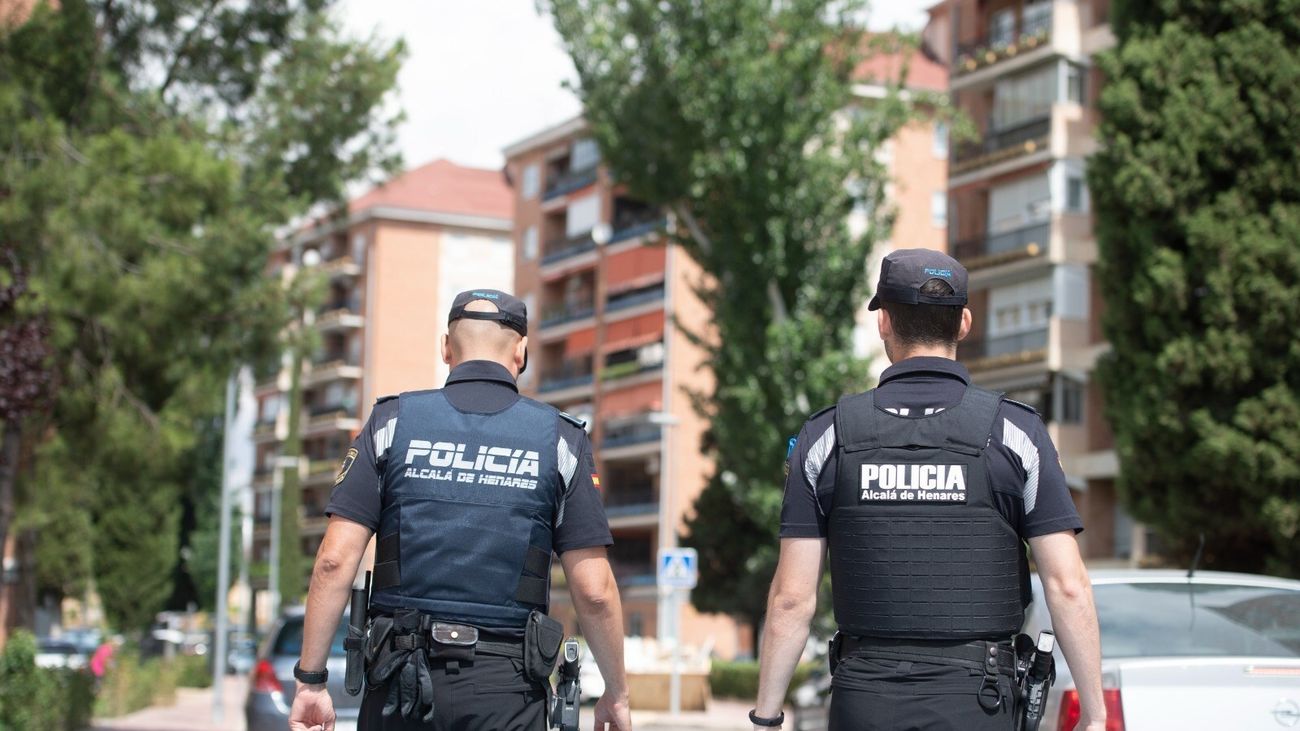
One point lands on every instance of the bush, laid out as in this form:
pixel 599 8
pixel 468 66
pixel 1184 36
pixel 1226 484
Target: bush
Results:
pixel 194 671
pixel 132 684
pixel 740 679
pixel 35 698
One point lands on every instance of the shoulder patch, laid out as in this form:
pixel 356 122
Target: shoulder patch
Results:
pixel 573 420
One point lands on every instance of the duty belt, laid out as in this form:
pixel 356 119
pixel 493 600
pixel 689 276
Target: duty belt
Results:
pixel 989 657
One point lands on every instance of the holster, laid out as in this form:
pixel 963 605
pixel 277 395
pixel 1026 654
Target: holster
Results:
pixel 354 645
pixel 543 637
pixel 833 651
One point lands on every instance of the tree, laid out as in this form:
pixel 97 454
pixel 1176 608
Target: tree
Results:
pixel 1198 213
pixel 739 118
pixel 151 150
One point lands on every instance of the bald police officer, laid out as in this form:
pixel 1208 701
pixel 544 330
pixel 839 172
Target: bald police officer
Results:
pixel 470 489
pixel 925 490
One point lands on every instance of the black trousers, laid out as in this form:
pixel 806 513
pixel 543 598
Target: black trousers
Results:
pixel 899 695
pixel 489 694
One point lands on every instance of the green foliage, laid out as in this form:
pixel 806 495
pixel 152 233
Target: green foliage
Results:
pixel 132 684
pixel 738 117
pixel 740 679
pixel 152 149
pixel 36 698
pixel 1198 213
pixel 194 671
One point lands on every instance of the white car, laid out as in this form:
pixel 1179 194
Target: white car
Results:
pixel 52 653
pixel 1216 651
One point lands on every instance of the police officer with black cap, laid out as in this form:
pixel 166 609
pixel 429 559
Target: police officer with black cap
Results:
pixel 469 489
pixel 925 489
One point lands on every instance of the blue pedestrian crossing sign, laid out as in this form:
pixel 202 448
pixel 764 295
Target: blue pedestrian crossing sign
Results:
pixel 679 568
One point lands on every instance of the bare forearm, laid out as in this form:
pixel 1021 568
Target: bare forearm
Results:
pixel 602 625
pixel 784 639
pixel 326 598
pixel 1074 619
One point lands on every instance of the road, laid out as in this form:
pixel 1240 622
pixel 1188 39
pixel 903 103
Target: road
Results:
pixel 193 712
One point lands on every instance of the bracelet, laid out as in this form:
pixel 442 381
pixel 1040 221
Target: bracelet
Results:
pixel 310 677
pixel 758 720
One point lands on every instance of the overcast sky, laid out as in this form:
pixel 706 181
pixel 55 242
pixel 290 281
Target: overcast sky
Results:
pixel 481 74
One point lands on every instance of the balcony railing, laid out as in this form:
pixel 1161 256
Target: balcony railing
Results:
pixel 629 433
pixel 1031 239
pixel 1031 341
pixel 562 249
pixel 569 376
pixel 565 314
pixel 984 51
pixel 632 229
pixel 640 500
pixel 627 368
pixel 1004 144
pixel 342 410
pixel 569 182
pixel 633 574
pixel 634 298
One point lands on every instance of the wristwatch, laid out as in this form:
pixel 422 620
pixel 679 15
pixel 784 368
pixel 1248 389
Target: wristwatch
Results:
pixel 758 720
pixel 311 677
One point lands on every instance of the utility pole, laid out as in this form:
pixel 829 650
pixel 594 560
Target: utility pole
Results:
pixel 223 558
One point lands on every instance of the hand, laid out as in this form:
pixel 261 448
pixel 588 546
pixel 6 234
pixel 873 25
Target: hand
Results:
pixel 313 710
pixel 612 710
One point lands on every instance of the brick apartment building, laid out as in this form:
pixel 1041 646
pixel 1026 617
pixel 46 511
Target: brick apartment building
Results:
pixel 1020 220
pixel 393 266
pixel 604 290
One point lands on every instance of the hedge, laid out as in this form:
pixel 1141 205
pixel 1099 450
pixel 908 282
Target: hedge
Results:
pixel 38 698
pixel 740 679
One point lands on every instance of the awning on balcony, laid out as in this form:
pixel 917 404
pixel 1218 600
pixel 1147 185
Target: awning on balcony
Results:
pixel 637 267
pixel 631 342
pixel 579 343
pixel 634 332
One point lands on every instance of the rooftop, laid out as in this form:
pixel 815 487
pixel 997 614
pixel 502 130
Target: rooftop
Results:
pixel 445 187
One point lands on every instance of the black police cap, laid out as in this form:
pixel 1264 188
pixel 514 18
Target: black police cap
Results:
pixel 511 311
pixel 905 271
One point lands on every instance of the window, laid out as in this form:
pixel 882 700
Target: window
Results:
pixel 530 243
pixel 1023 98
pixel 1037 17
pixel 583 216
pixel 1074 193
pixel 585 154
pixel 1021 307
pixel 1002 28
pixel 1069 400
pixel 531 182
pixel 1074 83
pixel 940 142
pixel 1020 203
pixel 939 209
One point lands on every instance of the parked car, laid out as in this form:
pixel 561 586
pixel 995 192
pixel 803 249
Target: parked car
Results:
pixel 59 653
pixel 1216 651
pixel 271 688
pixel 242 653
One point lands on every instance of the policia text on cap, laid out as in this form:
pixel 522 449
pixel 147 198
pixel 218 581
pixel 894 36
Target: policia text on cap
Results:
pixel 469 489
pixel 925 489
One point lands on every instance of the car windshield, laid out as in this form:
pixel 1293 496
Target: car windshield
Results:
pixel 1208 620
pixel 289 641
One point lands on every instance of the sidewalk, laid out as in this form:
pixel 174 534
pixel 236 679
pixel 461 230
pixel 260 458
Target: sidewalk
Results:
pixel 192 712
pixel 720 714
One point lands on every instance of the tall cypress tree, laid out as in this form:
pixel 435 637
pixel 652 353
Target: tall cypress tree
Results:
pixel 1197 201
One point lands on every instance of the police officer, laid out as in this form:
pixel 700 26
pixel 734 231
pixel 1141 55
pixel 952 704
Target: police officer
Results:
pixel 470 489
pixel 925 489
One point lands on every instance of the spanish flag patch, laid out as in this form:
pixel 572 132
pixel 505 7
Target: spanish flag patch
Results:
pixel 595 480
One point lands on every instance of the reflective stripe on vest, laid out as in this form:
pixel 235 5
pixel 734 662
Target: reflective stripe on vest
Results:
pixel 918 548
pixel 469 504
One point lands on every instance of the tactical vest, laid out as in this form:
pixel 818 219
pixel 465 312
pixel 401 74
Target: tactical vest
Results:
pixel 469 503
pixel 918 548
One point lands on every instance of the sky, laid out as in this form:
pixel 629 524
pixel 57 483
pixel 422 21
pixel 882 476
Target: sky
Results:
pixel 482 74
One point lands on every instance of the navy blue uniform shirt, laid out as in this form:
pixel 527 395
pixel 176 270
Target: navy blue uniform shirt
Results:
pixel 1024 472
pixel 480 387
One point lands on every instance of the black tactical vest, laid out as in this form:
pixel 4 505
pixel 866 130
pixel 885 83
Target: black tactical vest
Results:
pixel 469 503
pixel 918 549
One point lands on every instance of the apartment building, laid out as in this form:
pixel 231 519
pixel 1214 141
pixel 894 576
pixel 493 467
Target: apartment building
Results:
pixel 605 292
pixel 393 266
pixel 1020 221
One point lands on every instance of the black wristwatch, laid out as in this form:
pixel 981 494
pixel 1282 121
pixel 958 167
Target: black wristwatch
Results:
pixel 311 677
pixel 758 720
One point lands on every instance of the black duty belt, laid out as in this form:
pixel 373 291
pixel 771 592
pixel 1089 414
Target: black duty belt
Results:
pixel 982 655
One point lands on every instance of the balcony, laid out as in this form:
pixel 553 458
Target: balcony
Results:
pixel 628 369
pixel 264 432
pixel 1002 145
pixel 635 297
pixel 1004 350
pixel 330 418
pixel 560 249
pixel 343 267
pixel 570 181
pixel 340 316
pixel 992 249
pixel 627 573
pixel 627 230
pixel 625 433
pixel 321 472
pixel 633 506
pixel 566 313
pixel 989 50
pixel 566 377
pixel 332 369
